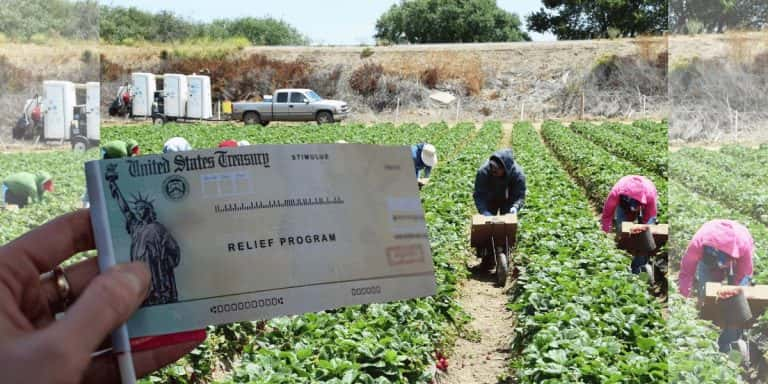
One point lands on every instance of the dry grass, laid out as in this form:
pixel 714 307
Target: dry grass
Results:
pixel 740 46
pixel 649 47
pixel 467 68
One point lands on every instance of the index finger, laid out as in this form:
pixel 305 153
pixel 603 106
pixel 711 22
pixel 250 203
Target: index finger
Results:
pixel 55 241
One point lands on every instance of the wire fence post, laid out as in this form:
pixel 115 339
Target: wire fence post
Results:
pixel 581 110
pixel 522 111
pixel 397 112
pixel 645 113
pixel 458 108
pixel 735 124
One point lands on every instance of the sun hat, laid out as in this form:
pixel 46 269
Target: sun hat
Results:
pixel 429 155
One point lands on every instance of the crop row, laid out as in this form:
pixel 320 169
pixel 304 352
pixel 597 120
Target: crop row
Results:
pixel 653 158
pixel 66 168
pixel 695 357
pixel 722 178
pixel 582 317
pixel 593 167
pixel 152 138
pixel 644 132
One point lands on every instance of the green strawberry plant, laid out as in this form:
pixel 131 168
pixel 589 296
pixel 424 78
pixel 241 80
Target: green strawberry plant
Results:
pixel 652 158
pixel 582 316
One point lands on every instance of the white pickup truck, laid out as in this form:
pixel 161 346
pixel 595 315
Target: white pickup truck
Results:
pixel 290 105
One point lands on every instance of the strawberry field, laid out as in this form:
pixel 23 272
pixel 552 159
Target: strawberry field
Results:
pixel 723 184
pixel 581 316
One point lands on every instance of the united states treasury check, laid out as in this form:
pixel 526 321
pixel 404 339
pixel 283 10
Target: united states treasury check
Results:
pixel 261 231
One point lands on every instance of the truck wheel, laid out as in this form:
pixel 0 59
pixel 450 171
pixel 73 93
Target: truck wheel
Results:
pixel 79 144
pixel 324 117
pixel 251 118
pixel 158 120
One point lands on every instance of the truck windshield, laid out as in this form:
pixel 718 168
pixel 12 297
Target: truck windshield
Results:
pixel 312 96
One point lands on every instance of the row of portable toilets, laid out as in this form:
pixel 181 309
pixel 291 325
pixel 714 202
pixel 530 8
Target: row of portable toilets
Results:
pixel 184 96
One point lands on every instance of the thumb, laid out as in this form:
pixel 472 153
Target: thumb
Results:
pixel 107 302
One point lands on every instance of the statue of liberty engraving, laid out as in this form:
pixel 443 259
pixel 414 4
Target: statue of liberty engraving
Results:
pixel 151 242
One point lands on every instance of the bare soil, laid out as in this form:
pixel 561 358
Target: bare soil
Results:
pixel 484 357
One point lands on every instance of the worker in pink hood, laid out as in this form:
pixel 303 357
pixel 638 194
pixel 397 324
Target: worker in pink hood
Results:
pixel 634 198
pixel 720 249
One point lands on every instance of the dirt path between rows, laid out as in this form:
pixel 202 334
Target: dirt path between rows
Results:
pixel 483 357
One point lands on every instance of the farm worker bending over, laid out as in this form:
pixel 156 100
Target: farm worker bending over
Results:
pixel 176 144
pixel 632 198
pixel 500 185
pixel 117 148
pixel 720 249
pixel 19 187
pixel 424 157
pixel 114 150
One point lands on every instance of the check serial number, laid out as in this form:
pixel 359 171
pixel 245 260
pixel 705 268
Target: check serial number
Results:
pixel 373 290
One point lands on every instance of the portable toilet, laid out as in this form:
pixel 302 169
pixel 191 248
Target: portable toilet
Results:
pixel 199 103
pixel 92 104
pixel 59 100
pixel 175 93
pixel 144 86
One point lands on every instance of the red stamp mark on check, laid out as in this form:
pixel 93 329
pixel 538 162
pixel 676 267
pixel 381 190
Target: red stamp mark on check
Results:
pixel 405 254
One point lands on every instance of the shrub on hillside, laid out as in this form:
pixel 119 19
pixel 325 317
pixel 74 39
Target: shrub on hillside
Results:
pixel 365 79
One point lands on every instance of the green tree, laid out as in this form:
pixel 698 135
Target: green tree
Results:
pixel 718 16
pixel 569 19
pixel 20 19
pixel 448 21
pixel 259 31
pixel 117 24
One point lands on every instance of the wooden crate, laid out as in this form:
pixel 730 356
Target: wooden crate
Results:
pixel 757 296
pixel 499 228
pixel 631 243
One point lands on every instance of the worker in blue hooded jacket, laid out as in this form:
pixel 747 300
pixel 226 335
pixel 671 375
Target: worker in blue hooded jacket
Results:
pixel 500 185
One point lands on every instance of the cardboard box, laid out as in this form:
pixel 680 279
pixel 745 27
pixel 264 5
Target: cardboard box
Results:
pixel 631 243
pixel 757 296
pixel 500 228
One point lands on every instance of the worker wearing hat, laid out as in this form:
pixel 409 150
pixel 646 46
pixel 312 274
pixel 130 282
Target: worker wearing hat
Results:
pixel 500 188
pixel 424 157
pixel 18 188
pixel 634 198
pixel 176 144
pixel 720 249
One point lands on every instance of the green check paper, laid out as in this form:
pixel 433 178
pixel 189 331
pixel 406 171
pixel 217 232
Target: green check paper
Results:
pixel 256 232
